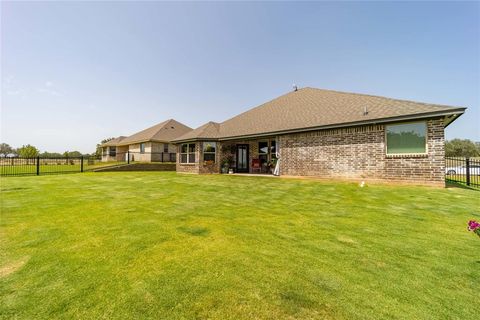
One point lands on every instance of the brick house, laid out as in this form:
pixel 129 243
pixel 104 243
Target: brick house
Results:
pixel 150 145
pixel 324 133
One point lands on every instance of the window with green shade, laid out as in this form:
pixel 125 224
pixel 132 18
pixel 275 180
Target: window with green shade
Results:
pixel 209 149
pixel 407 138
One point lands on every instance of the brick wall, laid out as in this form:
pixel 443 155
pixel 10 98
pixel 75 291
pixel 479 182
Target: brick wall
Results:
pixel 350 153
pixel 359 152
pixel 188 167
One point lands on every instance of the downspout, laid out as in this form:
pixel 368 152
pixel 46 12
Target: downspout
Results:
pixel 276 171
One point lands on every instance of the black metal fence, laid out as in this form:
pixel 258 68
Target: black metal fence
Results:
pixel 36 166
pixel 18 166
pixel 463 170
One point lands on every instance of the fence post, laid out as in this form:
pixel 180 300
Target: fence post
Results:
pixel 467 168
pixel 38 165
pixel 81 164
pixel 128 157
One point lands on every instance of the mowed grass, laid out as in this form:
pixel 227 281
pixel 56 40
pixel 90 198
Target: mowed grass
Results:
pixel 169 246
pixel 30 167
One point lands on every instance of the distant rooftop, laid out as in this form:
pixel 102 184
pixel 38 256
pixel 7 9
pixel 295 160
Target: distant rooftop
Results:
pixel 165 132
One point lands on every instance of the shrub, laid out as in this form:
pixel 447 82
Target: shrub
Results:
pixel 474 226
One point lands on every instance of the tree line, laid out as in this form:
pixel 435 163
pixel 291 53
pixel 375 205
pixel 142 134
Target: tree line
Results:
pixel 29 151
pixel 462 148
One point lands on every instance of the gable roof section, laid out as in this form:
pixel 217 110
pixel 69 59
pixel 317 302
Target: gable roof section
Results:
pixel 208 131
pixel 310 109
pixel 163 132
pixel 114 142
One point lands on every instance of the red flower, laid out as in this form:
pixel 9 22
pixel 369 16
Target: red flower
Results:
pixel 473 225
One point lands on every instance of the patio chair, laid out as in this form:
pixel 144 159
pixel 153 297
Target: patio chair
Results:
pixel 256 165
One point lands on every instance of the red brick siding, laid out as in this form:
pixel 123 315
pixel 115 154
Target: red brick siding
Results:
pixel 359 152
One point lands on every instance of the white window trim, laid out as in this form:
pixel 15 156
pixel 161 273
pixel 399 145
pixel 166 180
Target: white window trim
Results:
pixel 407 154
pixel 188 153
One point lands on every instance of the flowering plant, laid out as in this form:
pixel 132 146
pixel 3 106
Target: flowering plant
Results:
pixel 474 226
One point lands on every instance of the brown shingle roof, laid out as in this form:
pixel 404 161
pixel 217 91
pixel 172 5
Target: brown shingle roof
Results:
pixel 209 130
pixel 316 108
pixel 163 132
pixel 114 142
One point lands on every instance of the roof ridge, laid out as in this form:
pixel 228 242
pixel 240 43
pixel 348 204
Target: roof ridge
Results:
pixel 382 97
pixel 274 99
pixel 207 125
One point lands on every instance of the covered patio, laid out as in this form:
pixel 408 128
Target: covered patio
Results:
pixel 249 156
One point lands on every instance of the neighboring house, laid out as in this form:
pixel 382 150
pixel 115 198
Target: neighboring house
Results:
pixel 149 145
pixel 328 134
pixel 109 150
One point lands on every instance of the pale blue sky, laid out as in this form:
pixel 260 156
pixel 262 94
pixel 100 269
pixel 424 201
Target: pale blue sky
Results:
pixel 74 73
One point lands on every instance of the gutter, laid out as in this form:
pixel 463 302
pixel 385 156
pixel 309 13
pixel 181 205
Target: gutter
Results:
pixel 454 114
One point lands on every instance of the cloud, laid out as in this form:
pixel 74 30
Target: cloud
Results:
pixel 9 87
pixel 9 80
pixel 49 92
pixel 48 89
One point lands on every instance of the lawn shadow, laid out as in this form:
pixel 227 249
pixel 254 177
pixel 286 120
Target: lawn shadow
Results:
pixel 195 231
pixel 14 189
pixel 453 184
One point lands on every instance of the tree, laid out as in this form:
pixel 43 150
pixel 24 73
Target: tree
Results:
pixel 72 154
pixel 462 148
pixel 28 151
pixel 98 150
pixel 50 155
pixel 5 149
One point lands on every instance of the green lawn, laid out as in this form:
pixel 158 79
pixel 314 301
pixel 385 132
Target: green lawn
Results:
pixel 155 245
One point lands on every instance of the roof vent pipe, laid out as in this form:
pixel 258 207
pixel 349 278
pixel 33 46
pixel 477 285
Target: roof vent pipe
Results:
pixel 365 111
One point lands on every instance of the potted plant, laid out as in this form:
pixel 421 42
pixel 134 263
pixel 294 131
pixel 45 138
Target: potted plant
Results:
pixel 271 164
pixel 226 163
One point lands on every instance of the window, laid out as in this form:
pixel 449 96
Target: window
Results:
pixel 407 138
pixel 263 152
pixel 273 149
pixel 142 147
pixel 112 151
pixel 104 151
pixel 187 153
pixel 209 149
pixel 165 147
